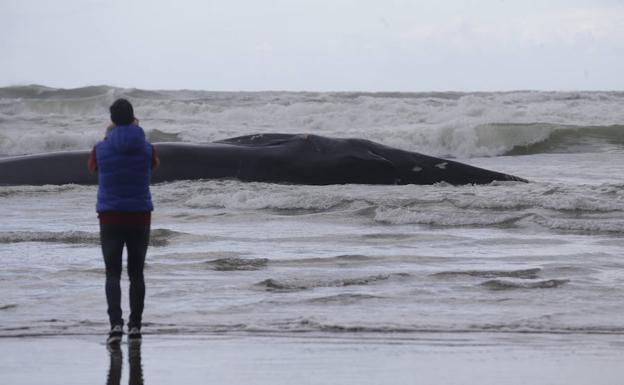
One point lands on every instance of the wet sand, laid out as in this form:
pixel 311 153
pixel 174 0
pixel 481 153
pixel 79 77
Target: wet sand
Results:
pixel 353 359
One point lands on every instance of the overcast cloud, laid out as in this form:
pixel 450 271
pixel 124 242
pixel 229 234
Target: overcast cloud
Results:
pixel 385 45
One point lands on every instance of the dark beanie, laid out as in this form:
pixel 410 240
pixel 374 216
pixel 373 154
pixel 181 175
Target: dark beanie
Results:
pixel 121 112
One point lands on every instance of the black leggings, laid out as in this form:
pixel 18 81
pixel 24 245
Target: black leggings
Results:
pixel 113 238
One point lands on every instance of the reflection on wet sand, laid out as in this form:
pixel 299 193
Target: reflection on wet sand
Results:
pixel 115 368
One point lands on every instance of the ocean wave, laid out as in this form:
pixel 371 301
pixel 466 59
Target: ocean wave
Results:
pixel 557 206
pixel 158 237
pixel 474 218
pixel 445 217
pixel 238 264
pixel 43 92
pixel 38 119
pixel 360 199
pixel 522 274
pixel 262 196
pixel 12 191
pixel 566 138
pixel 298 325
pixel 499 284
pixel 342 299
pixel 289 285
pixel 338 260
pixel 588 225
pixel 65 140
pixel 77 237
pixel 162 237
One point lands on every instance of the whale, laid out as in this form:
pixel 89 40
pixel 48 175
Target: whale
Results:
pixel 274 158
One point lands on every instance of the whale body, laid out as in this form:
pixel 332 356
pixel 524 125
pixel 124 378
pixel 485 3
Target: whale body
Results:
pixel 277 158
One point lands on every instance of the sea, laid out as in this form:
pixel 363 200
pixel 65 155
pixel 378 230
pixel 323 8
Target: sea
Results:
pixel 541 261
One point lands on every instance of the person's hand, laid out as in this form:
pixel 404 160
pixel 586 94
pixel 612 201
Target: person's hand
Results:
pixel 109 128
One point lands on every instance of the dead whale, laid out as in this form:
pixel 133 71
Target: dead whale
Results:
pixel 277 158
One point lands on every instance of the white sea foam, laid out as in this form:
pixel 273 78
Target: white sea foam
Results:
pixel 605 198
pixel 598 208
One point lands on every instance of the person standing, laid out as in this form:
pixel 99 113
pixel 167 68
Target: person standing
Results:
pixel 124 161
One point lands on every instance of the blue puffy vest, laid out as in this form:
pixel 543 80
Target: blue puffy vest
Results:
pixel 124 162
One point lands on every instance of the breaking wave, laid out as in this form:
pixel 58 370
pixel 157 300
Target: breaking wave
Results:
pixel 567 139
pixel 40 119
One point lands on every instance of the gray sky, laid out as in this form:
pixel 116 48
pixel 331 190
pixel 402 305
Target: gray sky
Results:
pixel 340 45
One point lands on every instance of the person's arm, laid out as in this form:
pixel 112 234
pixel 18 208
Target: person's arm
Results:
pixel 92 163
pixel 155 158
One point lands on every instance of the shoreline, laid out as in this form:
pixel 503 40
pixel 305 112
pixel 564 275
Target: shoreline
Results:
pixel 320 359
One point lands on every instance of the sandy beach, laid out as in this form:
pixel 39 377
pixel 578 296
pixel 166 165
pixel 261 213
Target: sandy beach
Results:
pixel 242 359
